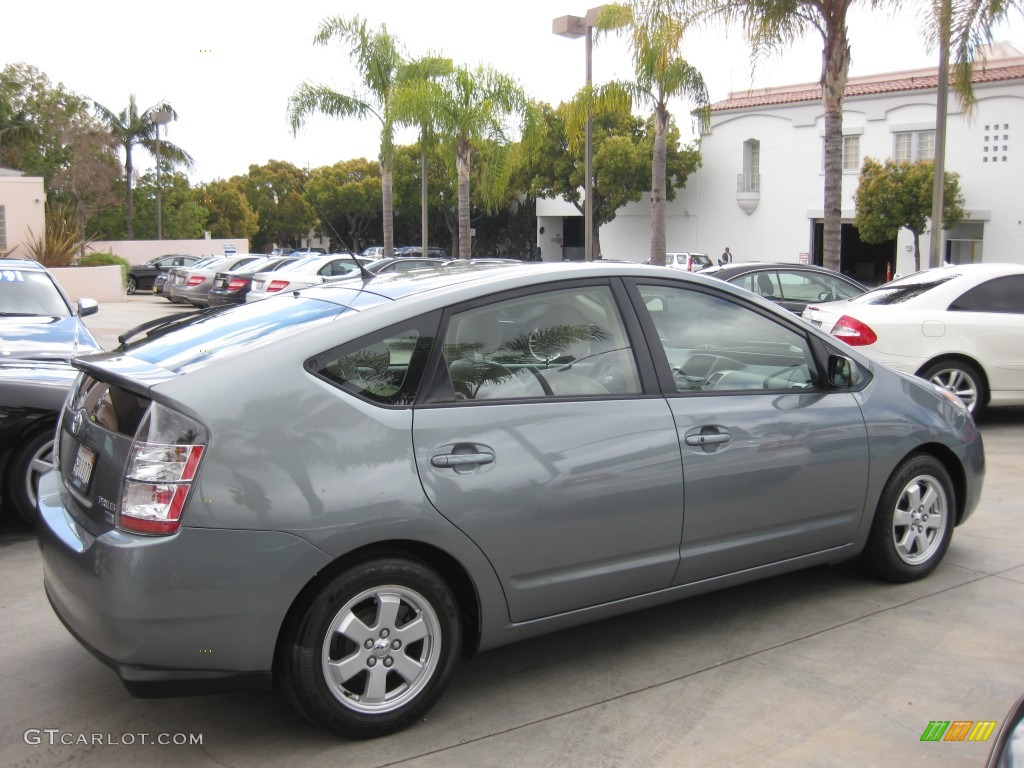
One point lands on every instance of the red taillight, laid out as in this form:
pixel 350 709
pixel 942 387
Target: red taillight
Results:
pixel 194 281
pixel 237 283
pixel 277 285
pixel 853 332
pixel 162 464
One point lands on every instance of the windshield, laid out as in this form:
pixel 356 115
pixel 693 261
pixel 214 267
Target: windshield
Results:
pixel 897 293
pixel 226 331
pixel 26 293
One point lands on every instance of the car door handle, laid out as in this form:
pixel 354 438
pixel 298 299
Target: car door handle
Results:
pixel 708 438
pixel 443 460
pixel 698 440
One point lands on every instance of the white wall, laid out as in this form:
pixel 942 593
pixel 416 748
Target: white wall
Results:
pixel 23 200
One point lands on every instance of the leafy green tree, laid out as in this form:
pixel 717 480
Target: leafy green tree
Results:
pixel 377 58
pixel 897 195
pixel 345 196
pixel 230 214
pixel 132 128
pixel 474 104
pixel 36 117
pixel 276 191
pixel 184 216
pixel 623 155
pixel 661 74
pixel 772 26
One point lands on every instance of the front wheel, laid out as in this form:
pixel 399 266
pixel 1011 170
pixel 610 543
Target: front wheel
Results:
pixel 914 521
pixel 132 286
pixel 961 379
pixel 28 463
pixel 372 650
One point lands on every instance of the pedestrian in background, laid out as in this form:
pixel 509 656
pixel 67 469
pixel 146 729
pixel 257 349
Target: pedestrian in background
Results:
pixel 725 258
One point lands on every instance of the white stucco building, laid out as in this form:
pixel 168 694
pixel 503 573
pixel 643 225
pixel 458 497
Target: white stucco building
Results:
pixel 22 201
pixel 760 189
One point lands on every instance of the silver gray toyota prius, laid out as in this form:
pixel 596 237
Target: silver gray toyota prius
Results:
pixel 346 490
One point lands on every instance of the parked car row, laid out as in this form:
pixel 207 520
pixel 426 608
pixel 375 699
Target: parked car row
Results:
pixel 443 461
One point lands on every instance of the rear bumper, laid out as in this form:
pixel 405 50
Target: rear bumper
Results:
pixel 196 612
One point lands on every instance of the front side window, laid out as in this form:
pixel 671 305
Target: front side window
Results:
pixel 563 343
pixel 712 344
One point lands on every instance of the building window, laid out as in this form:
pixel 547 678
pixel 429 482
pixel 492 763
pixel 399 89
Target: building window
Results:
pixel 750 179
pixel 851 154
pixel 911 146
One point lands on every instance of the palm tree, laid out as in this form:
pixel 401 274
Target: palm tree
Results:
pixel 375 54
pixel 131 128
pixel 474 105
pixel 661 74
pixel 16 125
pixel 960 28
pixel 418 90
pixel 771 26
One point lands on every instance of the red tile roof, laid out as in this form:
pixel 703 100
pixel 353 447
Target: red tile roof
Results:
pixel 917 80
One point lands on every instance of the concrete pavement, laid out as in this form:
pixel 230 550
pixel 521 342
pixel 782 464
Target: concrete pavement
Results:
pixel 825 667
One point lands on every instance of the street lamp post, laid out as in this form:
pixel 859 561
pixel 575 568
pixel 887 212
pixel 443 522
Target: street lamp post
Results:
pixel 163 117
pixel 573 27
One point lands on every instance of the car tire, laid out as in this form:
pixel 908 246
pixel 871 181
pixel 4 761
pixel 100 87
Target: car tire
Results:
pixel 27 464
pixel 962 379
pixel 913 523
pixel 372 650
pixel 132 286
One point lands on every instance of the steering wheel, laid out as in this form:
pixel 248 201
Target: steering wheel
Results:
pixel 790 377
pixel 609 373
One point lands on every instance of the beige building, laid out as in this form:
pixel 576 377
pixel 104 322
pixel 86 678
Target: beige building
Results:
pixel 22 202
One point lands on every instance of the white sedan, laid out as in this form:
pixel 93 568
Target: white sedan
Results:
pixel 307 271
pixel 960 326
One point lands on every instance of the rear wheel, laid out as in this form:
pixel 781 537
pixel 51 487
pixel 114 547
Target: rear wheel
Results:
pixel 28 463
pixel 372 650
pixel 132 286
pixel 914 521
pixel 962 379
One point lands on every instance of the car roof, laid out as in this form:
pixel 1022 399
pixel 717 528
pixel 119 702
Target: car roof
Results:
pixel 982 270
pixel 23 264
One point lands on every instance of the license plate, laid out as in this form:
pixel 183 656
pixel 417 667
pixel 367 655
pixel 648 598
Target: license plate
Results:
pixel 219 283
pixel 179 280
pixel 81 470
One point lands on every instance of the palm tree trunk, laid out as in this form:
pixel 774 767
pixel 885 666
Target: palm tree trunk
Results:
pixel 658 184
pixel 387 196
pixel 835 71
pixel 463 164
pixel 129 212
pixel 424 221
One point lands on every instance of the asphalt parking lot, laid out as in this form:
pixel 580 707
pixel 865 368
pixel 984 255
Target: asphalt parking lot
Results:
pixel 825 667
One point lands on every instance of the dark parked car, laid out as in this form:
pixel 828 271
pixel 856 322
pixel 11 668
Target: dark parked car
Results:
pixel 792 286
pixel 141 277
pixel 232 287
pixel 347 489
pixel 40 330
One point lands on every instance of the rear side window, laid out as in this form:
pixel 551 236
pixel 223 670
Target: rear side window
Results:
pixel 1002 294
pixel 385 368
pixel 897 294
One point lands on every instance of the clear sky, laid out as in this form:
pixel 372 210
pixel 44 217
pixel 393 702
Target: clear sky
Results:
pixel 228 68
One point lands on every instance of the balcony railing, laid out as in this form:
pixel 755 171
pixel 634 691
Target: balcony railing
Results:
pixel 748 182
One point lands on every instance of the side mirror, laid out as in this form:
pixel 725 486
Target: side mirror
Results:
pixel 88 307
pixel 840 371
pixel 1008 750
